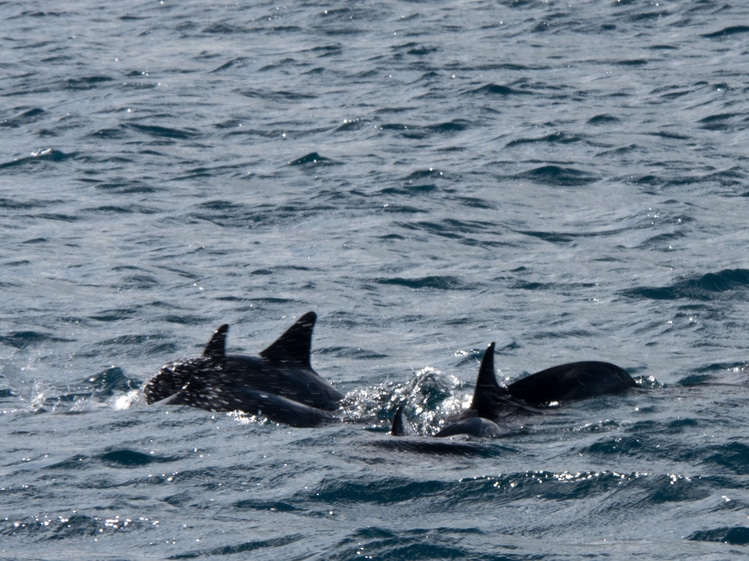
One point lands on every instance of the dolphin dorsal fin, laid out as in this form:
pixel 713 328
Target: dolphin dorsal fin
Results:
pixel 295 344
pixel 216 347
pixel 488 390
pixel 398 426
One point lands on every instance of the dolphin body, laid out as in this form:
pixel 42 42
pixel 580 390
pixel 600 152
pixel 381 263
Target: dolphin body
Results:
pixel 473 426
pixel 279 383
pixel 565 382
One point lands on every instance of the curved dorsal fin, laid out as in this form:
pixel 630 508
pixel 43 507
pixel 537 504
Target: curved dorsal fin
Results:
pixel 398 426
pixel 488 391
pixel 295 344
pixel 216 347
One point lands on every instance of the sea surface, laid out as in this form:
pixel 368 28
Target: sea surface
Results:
pixel 567 179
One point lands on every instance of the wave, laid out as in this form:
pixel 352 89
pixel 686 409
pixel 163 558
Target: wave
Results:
pixel 709 286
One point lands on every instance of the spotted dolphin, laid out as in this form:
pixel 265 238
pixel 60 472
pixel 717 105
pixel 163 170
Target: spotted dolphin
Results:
pixel 280 383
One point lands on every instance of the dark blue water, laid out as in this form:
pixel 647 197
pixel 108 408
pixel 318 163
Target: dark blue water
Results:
pixel 569 180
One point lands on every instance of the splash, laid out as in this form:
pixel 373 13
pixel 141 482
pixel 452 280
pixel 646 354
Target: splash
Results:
pixel 429 399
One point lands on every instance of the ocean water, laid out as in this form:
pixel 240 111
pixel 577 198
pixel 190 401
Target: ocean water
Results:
pixel 568 179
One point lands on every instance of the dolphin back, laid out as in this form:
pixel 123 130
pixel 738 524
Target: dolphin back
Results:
pixel 472 426
pixel 204 393
pixel 576 380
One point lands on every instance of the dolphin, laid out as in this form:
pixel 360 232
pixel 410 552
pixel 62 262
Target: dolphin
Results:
pixel 471 426
pixel 211 394
pixel 279 383
pixel 565 382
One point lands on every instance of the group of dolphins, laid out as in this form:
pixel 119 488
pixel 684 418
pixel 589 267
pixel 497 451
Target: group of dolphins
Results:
pixel 281 385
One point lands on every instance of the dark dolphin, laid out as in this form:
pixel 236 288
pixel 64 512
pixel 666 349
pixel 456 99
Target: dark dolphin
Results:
pixel 279 383
pixel 566 382
pixel 472 426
